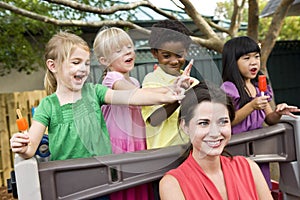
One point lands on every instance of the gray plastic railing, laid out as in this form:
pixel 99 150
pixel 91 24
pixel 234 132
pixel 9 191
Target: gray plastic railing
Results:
pixel 88 178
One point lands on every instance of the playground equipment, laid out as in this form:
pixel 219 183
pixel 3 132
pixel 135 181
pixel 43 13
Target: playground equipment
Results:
pixel 88 178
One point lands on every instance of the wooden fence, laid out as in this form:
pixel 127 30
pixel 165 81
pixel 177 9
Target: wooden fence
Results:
pixel 9 102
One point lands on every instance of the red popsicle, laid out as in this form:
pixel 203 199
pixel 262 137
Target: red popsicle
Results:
pixel 262 84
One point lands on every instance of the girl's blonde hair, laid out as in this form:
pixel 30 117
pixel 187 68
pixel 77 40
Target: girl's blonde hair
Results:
pixel 59 48
pixel 108 40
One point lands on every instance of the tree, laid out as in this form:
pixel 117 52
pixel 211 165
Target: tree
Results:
pixel 69 13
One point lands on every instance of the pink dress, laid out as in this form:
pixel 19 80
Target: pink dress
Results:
pixel 125 124
pixel 126 128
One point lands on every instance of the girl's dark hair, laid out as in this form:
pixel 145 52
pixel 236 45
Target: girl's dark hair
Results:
pixel 204 91
pixel 169 31
pixel 233 49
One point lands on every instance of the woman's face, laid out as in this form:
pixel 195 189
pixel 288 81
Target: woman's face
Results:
pixel 209 129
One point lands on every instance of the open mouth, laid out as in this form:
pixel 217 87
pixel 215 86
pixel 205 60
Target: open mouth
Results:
pixel 78 77
pixel 129 60
pixel 253 70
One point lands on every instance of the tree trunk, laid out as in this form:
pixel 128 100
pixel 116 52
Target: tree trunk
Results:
pixel 253 19
pixel 269 42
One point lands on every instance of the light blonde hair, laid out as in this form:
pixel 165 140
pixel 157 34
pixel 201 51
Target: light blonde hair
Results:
pixel 108 40
pixel 59 48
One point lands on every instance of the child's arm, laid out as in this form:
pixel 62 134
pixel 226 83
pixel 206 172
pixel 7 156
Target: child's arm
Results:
pixel 123 85
pixel 273 117
pixel 162 113
pixel 149 96
pixel 258 103
pixel 142 96
pixel 26 144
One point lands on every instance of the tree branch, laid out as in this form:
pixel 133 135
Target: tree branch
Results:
pixel 202 24
pixel 111 10
pixel 236 17
pixel 80 23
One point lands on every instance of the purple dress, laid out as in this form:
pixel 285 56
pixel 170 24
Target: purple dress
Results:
pixel 126 128
pixel 253 121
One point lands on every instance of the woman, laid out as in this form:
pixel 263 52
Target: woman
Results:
pixel 205 116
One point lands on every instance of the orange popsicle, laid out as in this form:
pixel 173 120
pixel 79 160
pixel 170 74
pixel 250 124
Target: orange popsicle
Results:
pixel 21 122
pixel 262 84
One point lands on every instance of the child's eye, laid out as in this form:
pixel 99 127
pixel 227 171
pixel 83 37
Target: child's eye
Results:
pixel 166 56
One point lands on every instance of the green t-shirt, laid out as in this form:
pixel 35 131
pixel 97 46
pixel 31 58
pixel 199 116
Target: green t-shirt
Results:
pixel 76 130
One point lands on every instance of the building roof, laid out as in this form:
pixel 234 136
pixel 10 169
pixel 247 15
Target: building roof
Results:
pixel 273 4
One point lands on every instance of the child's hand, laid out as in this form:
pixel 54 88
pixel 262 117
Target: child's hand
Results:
pixel 19 143
pixel 184 82
pixel 284 109
pixel 181 84
pixel 188 68
pixel 260 103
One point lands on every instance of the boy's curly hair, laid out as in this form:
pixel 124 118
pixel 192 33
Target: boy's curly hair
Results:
pixel 169 31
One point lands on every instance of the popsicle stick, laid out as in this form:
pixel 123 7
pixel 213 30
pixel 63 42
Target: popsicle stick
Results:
pixel 19 113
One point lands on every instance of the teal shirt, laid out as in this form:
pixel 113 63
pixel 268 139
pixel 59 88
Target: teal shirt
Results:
pixel 76 130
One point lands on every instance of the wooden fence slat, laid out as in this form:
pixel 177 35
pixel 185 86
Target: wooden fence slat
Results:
pixel 3 134
pixel 6 165
pixel 8 104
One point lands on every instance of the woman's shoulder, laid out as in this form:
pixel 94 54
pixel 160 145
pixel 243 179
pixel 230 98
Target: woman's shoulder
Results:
pixel 170 188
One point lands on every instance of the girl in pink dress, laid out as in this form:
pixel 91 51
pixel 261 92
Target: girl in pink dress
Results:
pixel 114 49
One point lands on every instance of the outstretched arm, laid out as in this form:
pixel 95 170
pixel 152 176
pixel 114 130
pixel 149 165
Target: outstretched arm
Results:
pixel 273 117
pixel 143 96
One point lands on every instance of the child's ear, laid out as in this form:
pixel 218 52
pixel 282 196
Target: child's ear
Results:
pixel 51 65
pixel 103 61
pixel 154 53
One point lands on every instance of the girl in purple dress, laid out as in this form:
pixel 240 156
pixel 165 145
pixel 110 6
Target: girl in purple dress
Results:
pixel 241 68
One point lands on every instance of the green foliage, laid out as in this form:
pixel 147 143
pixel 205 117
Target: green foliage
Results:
pixel 290 29
pixel 23 39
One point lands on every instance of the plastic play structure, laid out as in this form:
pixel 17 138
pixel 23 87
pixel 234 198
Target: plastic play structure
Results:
pixel 89 178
